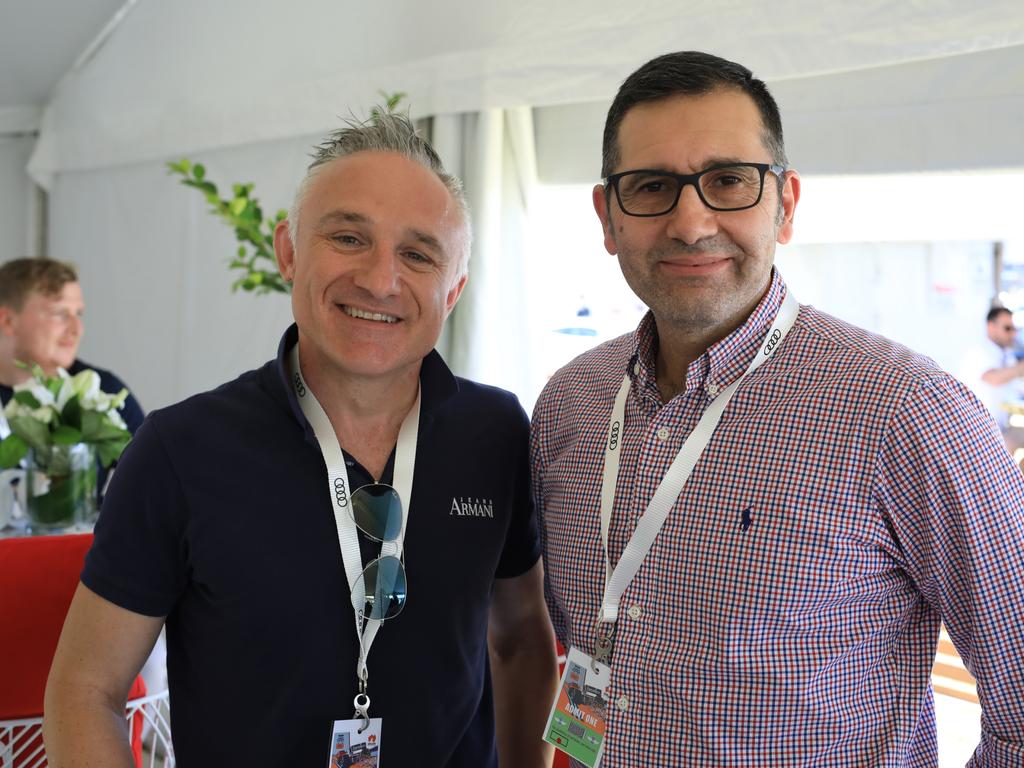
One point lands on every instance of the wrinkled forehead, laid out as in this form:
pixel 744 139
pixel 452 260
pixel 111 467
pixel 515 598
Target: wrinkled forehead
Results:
pixel 724 123
pixel 386 181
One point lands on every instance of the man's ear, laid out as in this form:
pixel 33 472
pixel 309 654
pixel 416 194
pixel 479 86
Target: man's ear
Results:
pixel 284 251
pixel 453 295
pixel 790 197
pixel 603 211
pixel 7 317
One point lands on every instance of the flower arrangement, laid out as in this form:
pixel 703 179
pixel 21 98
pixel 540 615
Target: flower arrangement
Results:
pixel 63 410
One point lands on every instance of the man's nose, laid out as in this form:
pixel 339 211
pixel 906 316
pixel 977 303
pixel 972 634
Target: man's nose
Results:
pixel 379 273
pixel 691 221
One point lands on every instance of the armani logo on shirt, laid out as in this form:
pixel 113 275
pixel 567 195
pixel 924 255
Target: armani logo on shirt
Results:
pixel 471 507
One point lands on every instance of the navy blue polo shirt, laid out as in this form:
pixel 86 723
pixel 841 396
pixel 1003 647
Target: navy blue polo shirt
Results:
pixel 219 518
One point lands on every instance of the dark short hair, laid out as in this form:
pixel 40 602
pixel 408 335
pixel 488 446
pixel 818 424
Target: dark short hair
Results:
pixel 690 73
pixel 996 312
pixel 20 277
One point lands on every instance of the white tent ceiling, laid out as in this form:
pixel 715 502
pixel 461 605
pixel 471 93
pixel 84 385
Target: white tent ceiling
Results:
pixel 40 41
pixel 190 76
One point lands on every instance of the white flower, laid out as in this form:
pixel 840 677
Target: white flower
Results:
pixel 44 414
pixel 86 384
pixel 39 392
pixel 116 420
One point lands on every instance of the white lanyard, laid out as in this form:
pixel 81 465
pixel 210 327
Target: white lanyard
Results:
pixel 671 485
pixel 340 491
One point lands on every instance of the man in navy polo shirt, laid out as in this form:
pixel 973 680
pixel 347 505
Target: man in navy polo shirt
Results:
pixel 225 520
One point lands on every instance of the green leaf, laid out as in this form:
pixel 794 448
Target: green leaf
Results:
pixel 26 398
pixel 65 435
pixel 110 451
pixel 35 433
pixel 72 413
pixel 238 205
pixel 12 450
pixel 97 427
pixel 54 386
pixel 198 171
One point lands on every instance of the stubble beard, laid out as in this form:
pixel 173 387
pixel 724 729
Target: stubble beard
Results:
pixel 700 302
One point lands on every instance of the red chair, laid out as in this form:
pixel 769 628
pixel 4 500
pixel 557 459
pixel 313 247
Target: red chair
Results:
pixel 38 577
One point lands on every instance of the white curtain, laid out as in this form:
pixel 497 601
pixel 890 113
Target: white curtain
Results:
pixel 153 265
pixel 492 150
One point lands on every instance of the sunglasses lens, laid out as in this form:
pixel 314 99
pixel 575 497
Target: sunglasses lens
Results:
pixel 377 511
pixel 380 592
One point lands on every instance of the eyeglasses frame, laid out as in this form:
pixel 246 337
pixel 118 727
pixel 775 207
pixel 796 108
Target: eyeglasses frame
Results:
pixel 611 182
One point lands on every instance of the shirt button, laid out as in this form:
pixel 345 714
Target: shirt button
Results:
pixel 623 703
pixel 712 389
pixel 636 369
pixel 663 434
pixel 635 612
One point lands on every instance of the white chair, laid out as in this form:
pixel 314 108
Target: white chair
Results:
pixel 21 741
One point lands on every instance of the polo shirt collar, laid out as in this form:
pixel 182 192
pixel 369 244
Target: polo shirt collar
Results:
pixel 723 362
pixel 437 383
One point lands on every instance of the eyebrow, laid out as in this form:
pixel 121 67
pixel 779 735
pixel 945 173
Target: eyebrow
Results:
pixel 339 216
pixel 428 240
pixel 351 217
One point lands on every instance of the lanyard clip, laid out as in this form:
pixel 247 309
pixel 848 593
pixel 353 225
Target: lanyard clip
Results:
pixel 362 701
pixel 604 632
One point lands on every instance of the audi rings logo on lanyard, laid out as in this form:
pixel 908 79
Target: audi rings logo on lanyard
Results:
pixel 340 495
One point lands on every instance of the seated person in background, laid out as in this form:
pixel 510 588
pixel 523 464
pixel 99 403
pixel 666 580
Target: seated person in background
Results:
pixel 41 323
pixel 993 370
pixel 41 310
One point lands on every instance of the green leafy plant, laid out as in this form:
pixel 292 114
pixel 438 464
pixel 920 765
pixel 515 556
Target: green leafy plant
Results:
pixel 62 410
pixel 255 234
pixel 242 212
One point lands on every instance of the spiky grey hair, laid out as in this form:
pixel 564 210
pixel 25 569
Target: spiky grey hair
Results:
pixel 386 131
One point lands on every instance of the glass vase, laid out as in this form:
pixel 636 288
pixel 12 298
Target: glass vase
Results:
pixel 60 487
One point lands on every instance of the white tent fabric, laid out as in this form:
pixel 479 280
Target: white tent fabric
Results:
pixel 486 337
pixel 247 87
pixel 189 76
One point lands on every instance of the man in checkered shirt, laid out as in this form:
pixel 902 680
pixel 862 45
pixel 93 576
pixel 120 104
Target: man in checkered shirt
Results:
pixel 852 497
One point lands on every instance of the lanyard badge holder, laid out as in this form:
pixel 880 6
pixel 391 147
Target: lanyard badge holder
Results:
pixel 577 723
pixel 378 591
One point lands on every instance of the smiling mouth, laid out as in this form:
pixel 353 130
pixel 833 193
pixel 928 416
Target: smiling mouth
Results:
pixel 362 314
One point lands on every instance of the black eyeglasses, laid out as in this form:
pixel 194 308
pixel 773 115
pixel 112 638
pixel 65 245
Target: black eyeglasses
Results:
pixel 725 187
pixel 380 591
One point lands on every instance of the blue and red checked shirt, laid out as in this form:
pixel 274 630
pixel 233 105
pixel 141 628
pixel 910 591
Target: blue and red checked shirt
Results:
pixel 852 498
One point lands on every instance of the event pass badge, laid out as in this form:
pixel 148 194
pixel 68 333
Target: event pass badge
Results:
pixel 350 748
pixel 576 725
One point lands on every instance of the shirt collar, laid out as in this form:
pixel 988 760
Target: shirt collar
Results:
pixel 437 383
pixel 723 362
